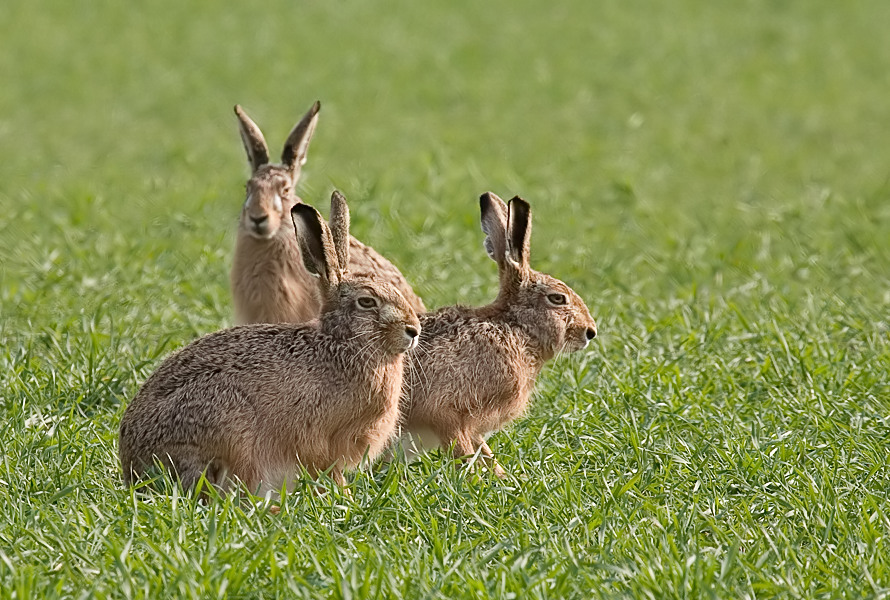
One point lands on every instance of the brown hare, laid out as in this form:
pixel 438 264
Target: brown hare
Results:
pixel 257 403
pixel 474 368
pixel 268 279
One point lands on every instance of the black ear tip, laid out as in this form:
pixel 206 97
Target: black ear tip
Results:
pixel 316 107
pixel 486 200
pixel 338 196
pixel 492 199
pixel 299 210
pixel 520 204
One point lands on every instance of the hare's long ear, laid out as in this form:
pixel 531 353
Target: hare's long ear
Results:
pixel 254 142
pixel 293 157
pixel 316 244
pixel 519 233
pixel 339 224
pixel 494 224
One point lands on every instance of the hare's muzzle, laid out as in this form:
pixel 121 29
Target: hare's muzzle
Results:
pixel 412 334
pixel 579 336
pixel 588 334
pixel 260 224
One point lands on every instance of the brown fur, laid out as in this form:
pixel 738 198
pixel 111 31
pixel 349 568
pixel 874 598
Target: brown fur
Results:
pixel 256 403
pixel 474 369
pixel 269 282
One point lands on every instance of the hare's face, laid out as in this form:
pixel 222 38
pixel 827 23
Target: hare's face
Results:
pixel 375 314
pixel 270 197
pixel 554 313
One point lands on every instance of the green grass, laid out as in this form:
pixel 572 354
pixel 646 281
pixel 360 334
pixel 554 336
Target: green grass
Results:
pixel 712 177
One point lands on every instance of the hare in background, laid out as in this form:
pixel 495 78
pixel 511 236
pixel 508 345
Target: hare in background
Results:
pixel 268 279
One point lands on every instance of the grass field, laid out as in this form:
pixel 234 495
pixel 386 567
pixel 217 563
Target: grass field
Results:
pixel 712 177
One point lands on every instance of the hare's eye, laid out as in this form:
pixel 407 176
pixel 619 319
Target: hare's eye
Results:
pixel 367 302
pixel 557 299
pixel 285 191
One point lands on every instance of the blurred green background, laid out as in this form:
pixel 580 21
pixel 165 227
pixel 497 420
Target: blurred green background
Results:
pixel 679 140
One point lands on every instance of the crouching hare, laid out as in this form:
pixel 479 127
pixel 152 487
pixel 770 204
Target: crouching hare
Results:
pixel 256 403
pixel 268 279
pixel 474 368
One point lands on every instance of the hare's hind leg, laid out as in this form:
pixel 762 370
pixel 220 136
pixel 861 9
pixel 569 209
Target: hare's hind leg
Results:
pixel 489 459
pixel 463 445
pixel 189 466
pixel 467 444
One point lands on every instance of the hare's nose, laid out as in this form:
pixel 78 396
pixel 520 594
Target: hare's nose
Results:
pixel 257 221
pixel 411 331
pixel 590 333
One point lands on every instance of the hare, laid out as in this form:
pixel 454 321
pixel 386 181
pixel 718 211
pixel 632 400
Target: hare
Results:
pixel 474 368
pixel 268 279
pixel 256 403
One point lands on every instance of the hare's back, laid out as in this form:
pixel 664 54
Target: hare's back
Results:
pixel 463 328
pixel 462 354
pixel 238 355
